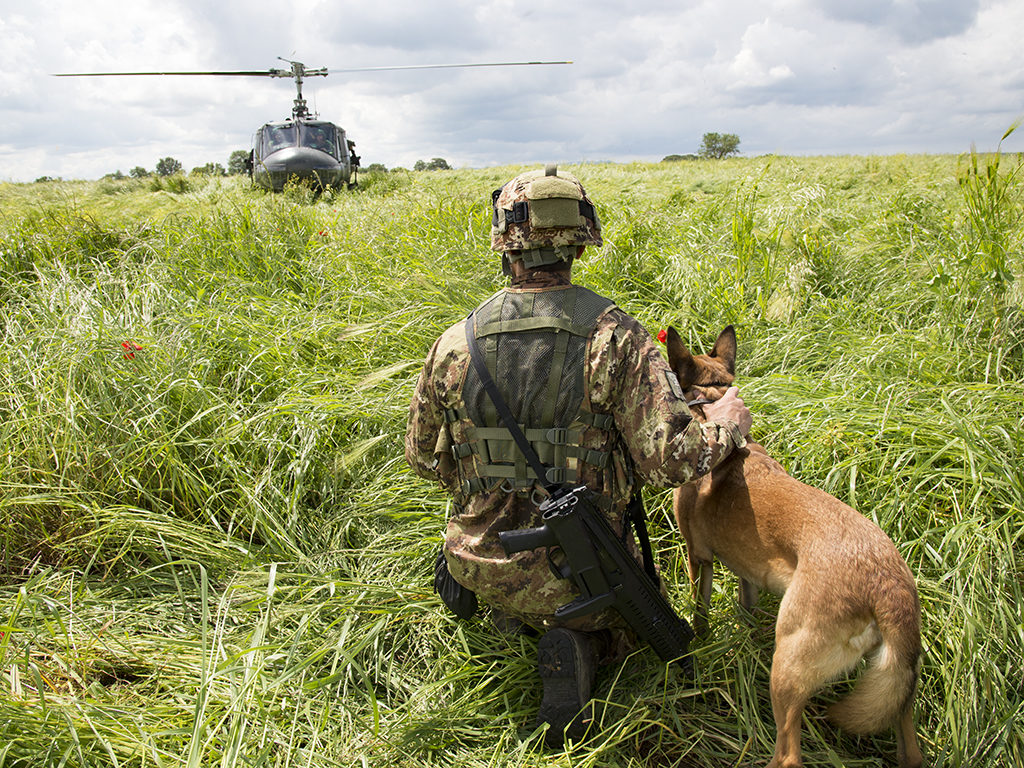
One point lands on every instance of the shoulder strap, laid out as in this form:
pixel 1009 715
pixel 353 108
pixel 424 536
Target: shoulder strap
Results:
pixel 502 407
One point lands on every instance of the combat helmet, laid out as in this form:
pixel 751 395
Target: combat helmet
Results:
pixel 540 217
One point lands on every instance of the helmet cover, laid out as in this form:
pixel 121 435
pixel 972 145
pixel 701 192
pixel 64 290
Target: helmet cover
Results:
pixel 543 209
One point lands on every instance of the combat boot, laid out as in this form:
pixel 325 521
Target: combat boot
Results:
pixel 565 661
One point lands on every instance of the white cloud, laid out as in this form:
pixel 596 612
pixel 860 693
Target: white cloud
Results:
pixel 790 76
pixel 747 71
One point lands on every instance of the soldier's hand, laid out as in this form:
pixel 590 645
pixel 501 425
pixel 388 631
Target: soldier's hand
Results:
pixel 730 407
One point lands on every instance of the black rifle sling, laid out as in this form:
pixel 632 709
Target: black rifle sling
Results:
pixel 635 511
pixel 636 515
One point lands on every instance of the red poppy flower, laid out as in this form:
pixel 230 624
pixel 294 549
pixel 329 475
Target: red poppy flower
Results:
pixel 662 335
pixel 130 348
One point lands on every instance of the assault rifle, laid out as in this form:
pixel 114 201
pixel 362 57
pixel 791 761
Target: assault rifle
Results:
pixel 605 572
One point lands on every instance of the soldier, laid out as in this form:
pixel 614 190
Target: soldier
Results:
pixel 598 403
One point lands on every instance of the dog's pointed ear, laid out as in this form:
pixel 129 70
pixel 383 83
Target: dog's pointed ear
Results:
pixel 680 359
pixel 725 348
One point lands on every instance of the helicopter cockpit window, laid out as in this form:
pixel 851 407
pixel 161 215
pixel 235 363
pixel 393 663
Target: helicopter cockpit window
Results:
pixel 277 137
pixel 320 137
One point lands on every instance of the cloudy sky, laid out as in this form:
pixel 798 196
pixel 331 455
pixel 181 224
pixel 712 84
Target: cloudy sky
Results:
pixel 649 78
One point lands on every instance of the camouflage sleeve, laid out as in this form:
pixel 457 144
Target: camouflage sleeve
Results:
pixel 426 423
pixel 631 379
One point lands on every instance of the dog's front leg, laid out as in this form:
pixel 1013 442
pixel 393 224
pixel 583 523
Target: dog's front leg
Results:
pixel 704 572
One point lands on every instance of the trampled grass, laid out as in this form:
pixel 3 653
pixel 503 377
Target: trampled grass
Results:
pixel 212 552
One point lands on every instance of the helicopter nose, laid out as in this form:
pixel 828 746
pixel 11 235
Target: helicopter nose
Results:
pixel 302 163
pixel 299 159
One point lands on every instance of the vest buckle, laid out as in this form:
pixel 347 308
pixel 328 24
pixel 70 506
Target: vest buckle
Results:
pixel 557 435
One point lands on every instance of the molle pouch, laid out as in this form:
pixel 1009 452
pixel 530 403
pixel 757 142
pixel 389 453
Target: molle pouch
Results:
pixel 460 601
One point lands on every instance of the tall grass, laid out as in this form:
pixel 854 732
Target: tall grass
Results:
pixel 212 552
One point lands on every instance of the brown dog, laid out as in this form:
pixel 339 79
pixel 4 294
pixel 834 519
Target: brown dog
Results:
pixel 847 593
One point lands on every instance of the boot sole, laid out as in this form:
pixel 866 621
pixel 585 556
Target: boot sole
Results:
pixel 566 679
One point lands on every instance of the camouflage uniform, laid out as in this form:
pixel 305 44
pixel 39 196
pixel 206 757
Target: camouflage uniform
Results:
pixel 652 441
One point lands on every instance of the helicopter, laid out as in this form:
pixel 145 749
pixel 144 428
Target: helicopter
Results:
pixel 302 147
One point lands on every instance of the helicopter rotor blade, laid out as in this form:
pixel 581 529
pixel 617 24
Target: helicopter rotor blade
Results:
pixel 311 72
pixel 254 73
pixel 450 66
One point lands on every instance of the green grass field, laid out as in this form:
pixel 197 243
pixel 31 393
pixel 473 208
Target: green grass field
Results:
pixel 212 552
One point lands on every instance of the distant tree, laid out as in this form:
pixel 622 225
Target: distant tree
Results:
pixel 437 164
pixel 115 176
pixel 138 172
pixel 718 145
pixel 44 179
pixel 375 168
pixel 168 166
pixel 210 169
pixel 677 158
pixel 238 163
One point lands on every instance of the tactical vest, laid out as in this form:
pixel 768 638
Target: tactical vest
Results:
pixel 535 346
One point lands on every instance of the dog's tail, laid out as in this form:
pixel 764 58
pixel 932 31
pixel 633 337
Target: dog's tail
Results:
pixel 887 687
